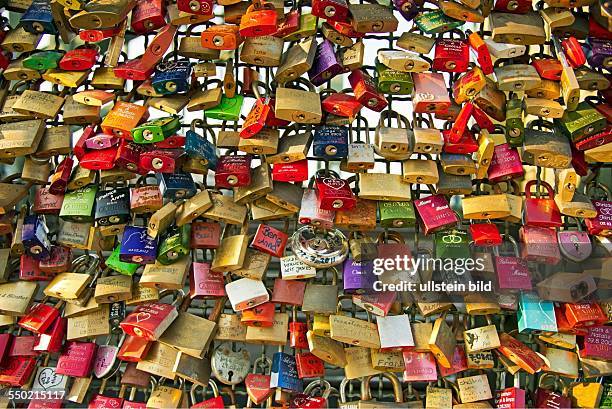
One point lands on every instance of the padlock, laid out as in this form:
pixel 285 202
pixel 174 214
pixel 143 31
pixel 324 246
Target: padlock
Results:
pixel 156 130
pixel 430 94
pixel 34 237
pixel 326 64
pixel 393 143
pixel 330 141
pixel 512 271
pixel 451 55
pixel 505 164
pixel 264 51
pixel 391 81
pixel 333 193
pixel 429 210
pixel 366 91
pixel 601 223
pixel 171 77
pixel 298 105
pixel 78 205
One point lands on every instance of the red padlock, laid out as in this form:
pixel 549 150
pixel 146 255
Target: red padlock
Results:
pixel 541 212
pixel 341 104
pixel 258 115
pixel 269 240
pixel 128 156
pixel 309 365
pixel 205 235
pixel 483 56
pixel 366 91
pixel 584 314
pixel 297 334
pixel 199 7
pixel 80 59
pixel 573 52
pixel 290 24
pixel 288 292
pixel 451 55
pixel 435 213
pixel 46 202
pixel 331 10
pixel 465 144
pixel 77 359
pixel 513 6
pixel 97 35
pixel 259 316
pixel 134 349
pixel 548 68
pixel 103 159
pixel 505 164
pixel 161 160
pixel 29 270
pixel 17 371
pixel 539 244
pixel 334 193
pixel 233 171
pixel 204 282
pixel 485 234
pixel 148 15
pixel 461 123
pixel 512 271
pixel 290 172
pixel 171 142
pixel 60 178
pixel 51 341
pixel 135 70
pixel 482 119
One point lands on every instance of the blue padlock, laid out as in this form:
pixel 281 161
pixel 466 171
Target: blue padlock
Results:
pixel 172 77
pixel 284 373
pixel 176 185
pixel 330 141
pixel 137 246
pixel 38 18
pixel 199 147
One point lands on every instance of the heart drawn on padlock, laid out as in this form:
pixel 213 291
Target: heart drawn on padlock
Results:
pixel 48 379
pixel 258 387
pixel 142 316
pixel 334 183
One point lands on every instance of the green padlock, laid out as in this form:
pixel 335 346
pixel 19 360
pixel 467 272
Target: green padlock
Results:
pixel 44 60
pixel 452 244
pixel 515 128
pixel 175 245
pixel 396 214
pixel 119 266
pixel 391 81
pixel 584 121
pixel 78 204
pixel 228 110
pixel 436 22
pixel 156 130
pixel 307 28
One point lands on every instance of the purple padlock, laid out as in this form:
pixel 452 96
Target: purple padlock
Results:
pixel 102 141
pixel 137 246
pixel 408 8
pixel 326 64
pixel 599 54
pixel 34 237
pixel 358 277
